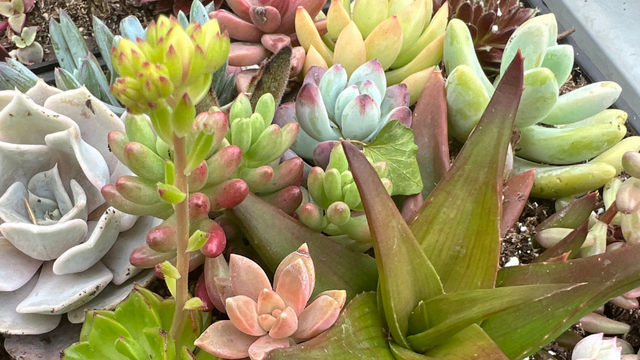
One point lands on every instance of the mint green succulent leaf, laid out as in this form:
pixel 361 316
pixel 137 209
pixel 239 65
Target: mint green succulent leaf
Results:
pixel 356 335
pixel 182 19
pixel 531 41
pixel 402 114
pixel 198 13
pixel 470 343
pixel 14 75
pixel 360 117
pixel 559 59
pixel 130 348
pixel 538 98
pixel 373 71
pixel 104 41
pixel 584 102
pixel 395 145
pixel 419 319
pixel 605 276
pixel 312 114
pixel 332 83
pixel 345 98
pixel 64 79
pixel 266 107
pixel 139 130
pixel 132 29
pixel 369 87
pixel 257 126
pixel 466 101
pixel 144 162
pixel 459 50
pixel 241 108
pixel 103 336
pixel 471 191
pixel 79 351
pixel 451 313
pixel 406 274
pixel 275 234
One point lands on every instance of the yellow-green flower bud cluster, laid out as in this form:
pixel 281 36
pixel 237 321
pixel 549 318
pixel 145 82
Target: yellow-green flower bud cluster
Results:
pixel 172 61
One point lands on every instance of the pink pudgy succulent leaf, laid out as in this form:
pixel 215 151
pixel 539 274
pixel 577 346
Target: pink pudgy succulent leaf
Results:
pixel 243 313
pixel 286 324
pixel 247 277
pixel 223 339
pixel 293 286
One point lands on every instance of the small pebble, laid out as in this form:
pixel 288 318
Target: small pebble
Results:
pixel 513 261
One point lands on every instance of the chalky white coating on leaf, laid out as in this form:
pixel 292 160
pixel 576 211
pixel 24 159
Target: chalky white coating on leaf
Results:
pixel 54 156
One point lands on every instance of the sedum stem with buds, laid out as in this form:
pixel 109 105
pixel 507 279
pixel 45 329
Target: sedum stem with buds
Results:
pixel 182 217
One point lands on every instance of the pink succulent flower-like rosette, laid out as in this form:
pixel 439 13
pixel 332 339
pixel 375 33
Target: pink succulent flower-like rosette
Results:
pixel 262 318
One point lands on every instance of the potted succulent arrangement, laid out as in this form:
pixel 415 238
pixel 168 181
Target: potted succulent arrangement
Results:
pixel 285 174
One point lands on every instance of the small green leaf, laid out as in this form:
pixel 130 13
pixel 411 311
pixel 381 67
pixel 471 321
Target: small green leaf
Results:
pixel 137 313
pixel 400 353
pixel 458 226
pixel 170 194
pixel 571 244
pixel 18 41
pixel 394 144
pixel 197 240
pixel 406 275
pixel 274 235
pixel 195 303
pixel 29 34
pixel 357 334
pixel 130 348
pixel 104 333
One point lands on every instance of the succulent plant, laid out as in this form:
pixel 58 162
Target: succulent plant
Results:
pixel 491 24
pixel 335 195
pixel 15 12
pixel 332 105
pixel 29 51
pixel 53 215
pixel 262 144
pixel 136 330
pixel 261 28
pixel 596 347
pixel 400 34
pixel 576 126
pixel 262 318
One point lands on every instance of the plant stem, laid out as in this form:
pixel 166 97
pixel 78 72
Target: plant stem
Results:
pixel 182 219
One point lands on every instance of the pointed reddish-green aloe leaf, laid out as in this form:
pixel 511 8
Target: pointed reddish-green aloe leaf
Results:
pixel 429 126
pixel 450 313
pixel 470 343
pixel 516 192
pixel 606 276
pixel 572 215
pixel 458 226
pixel 357 334
pixel 406 275
pixel 401 353
pixel 570 245
pixel 274 235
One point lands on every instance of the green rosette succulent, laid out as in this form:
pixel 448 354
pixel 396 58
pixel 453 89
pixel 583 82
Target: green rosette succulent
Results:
pixel 336 207
pixel 135 330
pixel 263 144
pixel 556 131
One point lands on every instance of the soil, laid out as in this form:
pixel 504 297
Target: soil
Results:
pixel 81 12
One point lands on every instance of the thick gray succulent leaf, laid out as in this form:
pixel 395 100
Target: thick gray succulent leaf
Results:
pixel 17 268
pixel 24 122
pixel 62 293
pixel 15 323
pixel 103 235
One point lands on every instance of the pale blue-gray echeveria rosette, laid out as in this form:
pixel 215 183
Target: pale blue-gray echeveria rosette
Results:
pixel 61 248
pixel 332 105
